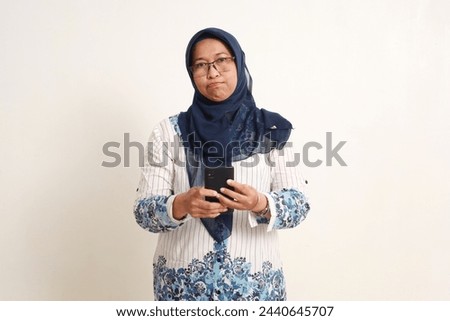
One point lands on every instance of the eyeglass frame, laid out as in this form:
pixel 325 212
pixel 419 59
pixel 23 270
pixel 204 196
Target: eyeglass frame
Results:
pixel 212 63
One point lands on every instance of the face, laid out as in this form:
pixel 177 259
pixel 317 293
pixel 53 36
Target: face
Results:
pixel 214 85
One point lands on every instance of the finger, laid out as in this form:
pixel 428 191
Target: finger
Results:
pixel 198 211
pixel 209 207
pixel 235 184
pixel 199 207
pixel 239 187
pixel 207 192
pixel 225 201
pixel 232 194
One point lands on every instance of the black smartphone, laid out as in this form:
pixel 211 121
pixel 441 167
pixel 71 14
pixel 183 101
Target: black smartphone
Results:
pixel 215 178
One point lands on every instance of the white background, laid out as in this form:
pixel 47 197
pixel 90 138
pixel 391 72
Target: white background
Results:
pixel 75 75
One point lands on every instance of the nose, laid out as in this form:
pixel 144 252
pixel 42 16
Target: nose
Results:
pixel 212 71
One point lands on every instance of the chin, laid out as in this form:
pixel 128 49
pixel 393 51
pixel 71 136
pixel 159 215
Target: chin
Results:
pixel 218 98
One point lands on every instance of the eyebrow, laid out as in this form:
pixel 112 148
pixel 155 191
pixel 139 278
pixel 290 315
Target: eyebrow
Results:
pixel 217 54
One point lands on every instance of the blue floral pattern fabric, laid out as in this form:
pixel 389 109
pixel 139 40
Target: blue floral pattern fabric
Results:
pixel 218 277
pixel 151 214
pixel 291 207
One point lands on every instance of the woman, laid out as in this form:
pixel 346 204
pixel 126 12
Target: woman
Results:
pixel 225 250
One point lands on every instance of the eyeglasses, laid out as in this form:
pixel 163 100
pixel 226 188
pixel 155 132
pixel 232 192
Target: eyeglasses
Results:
pixel 221 64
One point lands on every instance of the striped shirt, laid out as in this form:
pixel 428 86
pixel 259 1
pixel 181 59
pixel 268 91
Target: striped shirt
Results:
pixel 188 263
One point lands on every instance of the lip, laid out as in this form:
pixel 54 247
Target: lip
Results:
pixel 214 84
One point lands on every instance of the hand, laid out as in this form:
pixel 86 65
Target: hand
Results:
pixel 244 197
pixel 193 202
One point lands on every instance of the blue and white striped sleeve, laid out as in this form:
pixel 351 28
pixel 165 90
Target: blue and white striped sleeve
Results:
pixel 152 208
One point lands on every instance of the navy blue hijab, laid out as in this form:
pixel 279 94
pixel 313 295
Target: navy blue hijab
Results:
pixel 218 133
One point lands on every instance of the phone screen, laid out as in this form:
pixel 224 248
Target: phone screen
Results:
pixel 215 178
